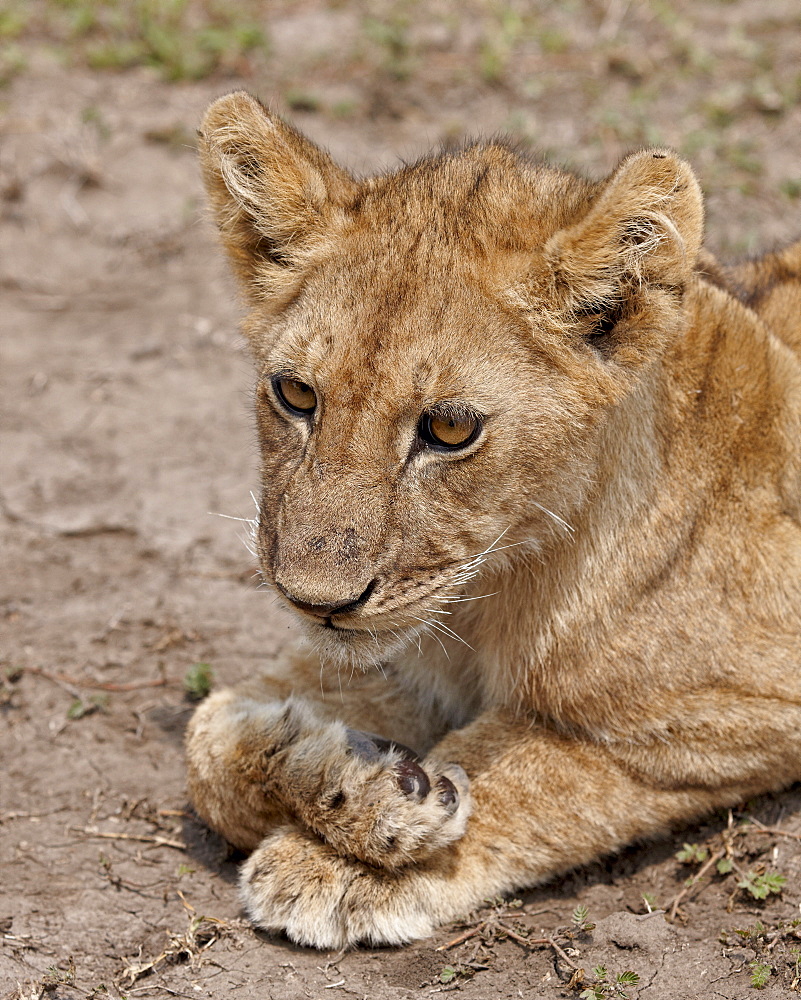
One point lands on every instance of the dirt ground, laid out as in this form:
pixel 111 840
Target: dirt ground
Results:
pixel 124 393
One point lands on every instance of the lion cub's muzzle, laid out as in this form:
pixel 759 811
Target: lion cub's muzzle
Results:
pixel 333 606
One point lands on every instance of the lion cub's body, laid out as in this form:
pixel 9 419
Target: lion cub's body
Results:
pixel 587 618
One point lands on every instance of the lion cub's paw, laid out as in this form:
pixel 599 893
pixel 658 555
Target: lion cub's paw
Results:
pixel 380 804
pixel 254 764
pixel 295 883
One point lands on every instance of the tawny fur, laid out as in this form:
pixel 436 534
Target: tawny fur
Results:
pixel 618 553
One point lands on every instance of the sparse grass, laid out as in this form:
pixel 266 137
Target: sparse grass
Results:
pixel 93 115
pixel 649 899
pixel 499 42
pixel 182 39
pixel 775 955
pixel 302 100
pixel 724 860
pixel 580 920
pixel 791 188
pixel 176 136
pixel 344 108
pixel 505 921
pixel 13 20
pixel 12 62
pixel 390 35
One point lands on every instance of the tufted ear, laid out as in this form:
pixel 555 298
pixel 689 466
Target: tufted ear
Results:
pixel 275 195
pixel 646 225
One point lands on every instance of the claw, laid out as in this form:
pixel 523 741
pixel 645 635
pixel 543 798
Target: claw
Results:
pixel 448 795
pixel 412 779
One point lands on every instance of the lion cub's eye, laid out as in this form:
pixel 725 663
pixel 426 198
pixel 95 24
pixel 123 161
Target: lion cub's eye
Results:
pixel 295 395
pixel 446 432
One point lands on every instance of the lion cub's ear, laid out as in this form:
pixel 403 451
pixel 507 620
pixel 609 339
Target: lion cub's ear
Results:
pixel 646 225
pixel 275 195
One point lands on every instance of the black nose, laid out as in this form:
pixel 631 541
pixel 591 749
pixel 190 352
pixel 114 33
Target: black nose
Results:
pixel 334 607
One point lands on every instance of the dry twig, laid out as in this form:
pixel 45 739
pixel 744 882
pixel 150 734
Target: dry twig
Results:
pixel 774 830
pixel 143 838
pixel 693 882
pixel 71 684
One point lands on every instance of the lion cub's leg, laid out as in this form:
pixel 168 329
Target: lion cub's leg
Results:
pixel 257 758
pixel 543 803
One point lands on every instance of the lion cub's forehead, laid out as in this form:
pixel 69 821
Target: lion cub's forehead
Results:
pixel 480 200
pixel 376 322
pixel 413 294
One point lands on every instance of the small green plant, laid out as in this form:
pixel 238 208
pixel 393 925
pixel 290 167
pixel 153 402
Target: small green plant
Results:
pixel 79 708
pixel 55 977
pixel 448 974
pixel 604 989
pixel 760 974
pixel 762 886
pixel 692 853
pixel 580 920
pixel 754 933
pixel 198 681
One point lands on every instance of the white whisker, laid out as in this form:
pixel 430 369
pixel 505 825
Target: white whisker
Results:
pixel 435 636
pixel 461 600
pixel 567 528
pixel 441 627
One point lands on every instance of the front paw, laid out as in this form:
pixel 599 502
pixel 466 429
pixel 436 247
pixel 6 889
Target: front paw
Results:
pixel 295 883
pixel 255 765
pixel 380 804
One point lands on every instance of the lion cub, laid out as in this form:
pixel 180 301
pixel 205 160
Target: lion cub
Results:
pixel 532 485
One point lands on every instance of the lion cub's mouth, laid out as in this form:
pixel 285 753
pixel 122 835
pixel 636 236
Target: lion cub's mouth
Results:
pixel 343 630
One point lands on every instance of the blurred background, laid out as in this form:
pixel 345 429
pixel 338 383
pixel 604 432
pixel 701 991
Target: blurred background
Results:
pixel 125 424
pixel 580 81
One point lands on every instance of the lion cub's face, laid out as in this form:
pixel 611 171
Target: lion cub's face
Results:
pixel 436 350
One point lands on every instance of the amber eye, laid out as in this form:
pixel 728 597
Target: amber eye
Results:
pixel 446 432
pixel 295 395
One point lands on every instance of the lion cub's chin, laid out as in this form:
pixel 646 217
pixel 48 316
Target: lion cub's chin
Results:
pixel 356 647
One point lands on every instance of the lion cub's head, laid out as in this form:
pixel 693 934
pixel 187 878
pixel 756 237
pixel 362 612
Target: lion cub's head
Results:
pixel 437 349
